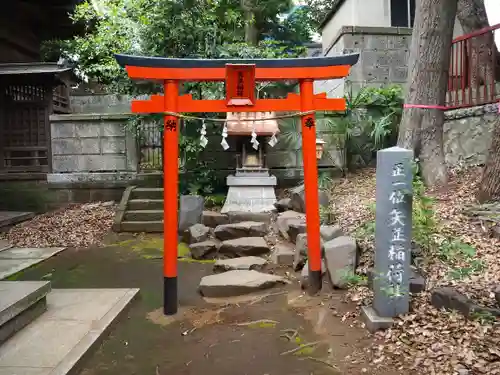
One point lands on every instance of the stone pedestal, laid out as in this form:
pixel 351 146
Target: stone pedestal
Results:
pixel 250 192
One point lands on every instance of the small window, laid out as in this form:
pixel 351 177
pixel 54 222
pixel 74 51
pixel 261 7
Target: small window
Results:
pixel 402 13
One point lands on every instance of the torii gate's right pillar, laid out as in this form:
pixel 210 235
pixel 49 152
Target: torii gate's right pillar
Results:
pixel 311 184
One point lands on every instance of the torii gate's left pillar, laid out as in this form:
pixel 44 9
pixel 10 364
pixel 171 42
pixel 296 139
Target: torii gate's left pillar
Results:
pixel 170 192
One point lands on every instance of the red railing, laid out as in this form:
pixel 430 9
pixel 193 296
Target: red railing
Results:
pixel 474 77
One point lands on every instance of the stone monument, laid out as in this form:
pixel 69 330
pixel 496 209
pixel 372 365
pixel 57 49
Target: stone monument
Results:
pixel 251 188
pixel 393 223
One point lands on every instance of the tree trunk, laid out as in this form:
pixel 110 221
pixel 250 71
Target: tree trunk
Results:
pixel 422 129
pixel 251 34
pixel 481 50
pixel 489 189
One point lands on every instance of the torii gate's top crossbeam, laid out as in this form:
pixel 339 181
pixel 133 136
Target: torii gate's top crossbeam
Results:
pixel 240 77
pixel 160 68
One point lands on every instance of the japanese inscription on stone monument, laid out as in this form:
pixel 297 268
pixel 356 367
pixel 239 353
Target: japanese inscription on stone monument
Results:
pixel 393 232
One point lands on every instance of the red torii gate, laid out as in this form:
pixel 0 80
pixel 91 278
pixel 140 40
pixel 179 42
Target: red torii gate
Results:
pixel 240 77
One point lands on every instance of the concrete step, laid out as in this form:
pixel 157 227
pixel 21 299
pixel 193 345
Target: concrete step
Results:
pixel 147 193
pixel 75 322
pixel 143 215
pixel 145 204
pixel 20 303
pixel 142 226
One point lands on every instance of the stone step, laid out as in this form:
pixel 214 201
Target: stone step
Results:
pixel 145 204
pixel 143 215
pixel 147 193
pixel 142 226
pixel 75 322
pixel 20 303
pixel 150 180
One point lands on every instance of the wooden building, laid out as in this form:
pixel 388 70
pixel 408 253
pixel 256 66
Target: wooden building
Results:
pixel 30 90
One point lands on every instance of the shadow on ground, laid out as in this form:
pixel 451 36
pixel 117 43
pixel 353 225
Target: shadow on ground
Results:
pixel 224 338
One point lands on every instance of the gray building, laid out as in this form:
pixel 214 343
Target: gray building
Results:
pixel 380 30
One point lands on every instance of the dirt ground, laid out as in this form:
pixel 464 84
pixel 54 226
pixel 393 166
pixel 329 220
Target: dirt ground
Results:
pixel 244 336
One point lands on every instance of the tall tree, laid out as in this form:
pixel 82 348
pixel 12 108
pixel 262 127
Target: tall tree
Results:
pixel 251 33
pixel 481 50
pixel 421 129
pixel 174 28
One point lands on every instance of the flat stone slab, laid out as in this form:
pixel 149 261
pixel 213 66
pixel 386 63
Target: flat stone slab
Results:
pixel 238 217
pixel 56 342
pixel 4 245
pixel 245 246
pixel 17 259
pixel 17 296
pixel 212 219
pixel 237 283
pixel 243 229
pixel 243 263
pixel 8 218
pixel 204 250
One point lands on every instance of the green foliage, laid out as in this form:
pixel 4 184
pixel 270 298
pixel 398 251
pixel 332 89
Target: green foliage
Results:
pixel 424 224
pixel 177 28
pixel 367 230
pixel 453 251
pixel 173 28
pixel 484 317
pixel 326 215
pixel 197 176
pixel 216 200
pixel 369 124
pixel 353 279
pixel 450 250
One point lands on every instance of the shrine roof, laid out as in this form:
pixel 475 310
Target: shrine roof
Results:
pixel 306 62
pixel 33 68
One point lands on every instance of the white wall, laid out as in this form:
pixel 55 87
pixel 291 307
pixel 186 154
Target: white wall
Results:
pixel 372 13
pixel 493 12
pixel 377 13
pixel 345 16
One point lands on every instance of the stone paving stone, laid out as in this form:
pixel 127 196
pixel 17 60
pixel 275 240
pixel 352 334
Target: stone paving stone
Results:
pixel 17 259
pixel 29 253
pixel 56 341
pixel 243 263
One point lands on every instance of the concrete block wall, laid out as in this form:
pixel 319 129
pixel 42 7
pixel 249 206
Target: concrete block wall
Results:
pixel 384 53
pixel 92 143
pixel 101 103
